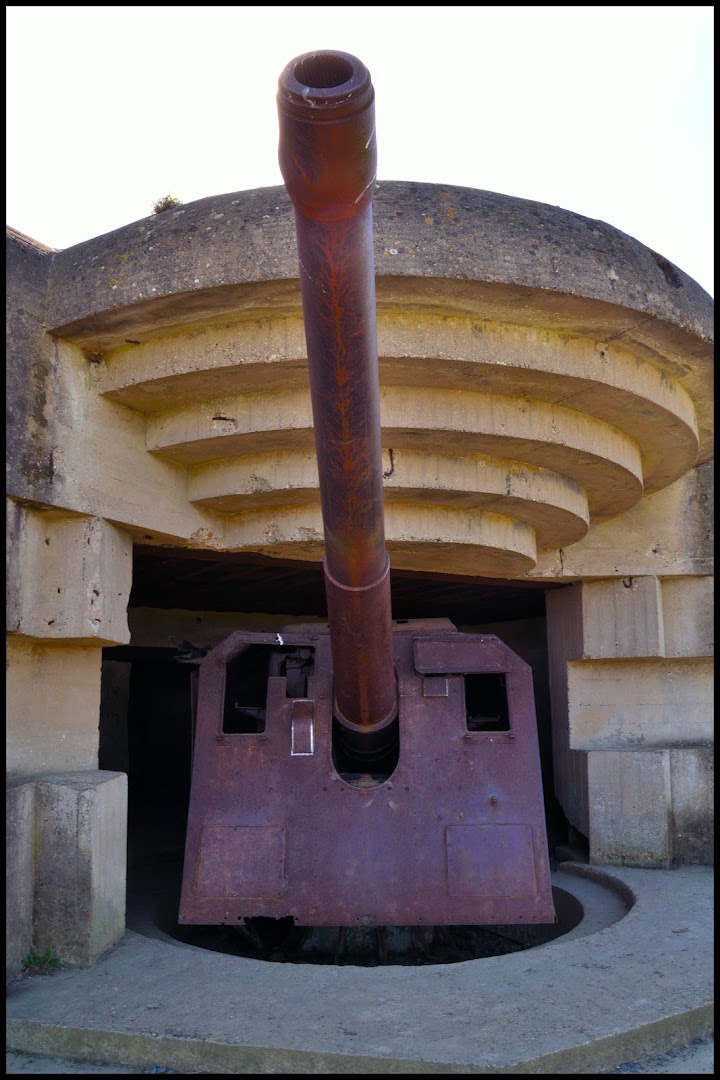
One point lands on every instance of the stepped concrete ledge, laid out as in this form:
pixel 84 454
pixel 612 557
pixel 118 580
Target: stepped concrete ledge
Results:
pixel 633 978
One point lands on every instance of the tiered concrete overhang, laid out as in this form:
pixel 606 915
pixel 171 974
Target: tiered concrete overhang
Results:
pixel 540 373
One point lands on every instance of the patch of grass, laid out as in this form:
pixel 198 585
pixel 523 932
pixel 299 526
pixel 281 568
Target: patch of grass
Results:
pixel 168 202
pixel 45 963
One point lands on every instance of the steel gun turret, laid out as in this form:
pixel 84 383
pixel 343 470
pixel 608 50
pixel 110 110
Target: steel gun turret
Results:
pixel 368 772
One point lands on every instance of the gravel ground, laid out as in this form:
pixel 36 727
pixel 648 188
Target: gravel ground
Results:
pixel 693 1060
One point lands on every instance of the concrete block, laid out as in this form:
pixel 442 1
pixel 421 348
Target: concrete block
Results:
pixel 73 577
pixel 19 837
pixel 688 614
pixel 645 704
pixel 629 808
pixel 692 782
pixel 622 617
pixel 80 869
pixel 52 705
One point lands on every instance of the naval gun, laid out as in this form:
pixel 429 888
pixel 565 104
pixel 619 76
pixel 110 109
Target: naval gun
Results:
pixel 367 771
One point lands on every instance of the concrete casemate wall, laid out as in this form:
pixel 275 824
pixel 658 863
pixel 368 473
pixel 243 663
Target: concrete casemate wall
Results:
pixel 546 410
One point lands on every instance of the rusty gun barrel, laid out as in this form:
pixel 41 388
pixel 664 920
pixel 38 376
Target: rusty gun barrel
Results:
pixel 328 161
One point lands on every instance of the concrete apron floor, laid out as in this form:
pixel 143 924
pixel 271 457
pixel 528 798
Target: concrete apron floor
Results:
pixel 633 979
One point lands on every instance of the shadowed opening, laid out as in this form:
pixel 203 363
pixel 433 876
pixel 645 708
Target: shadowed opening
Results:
pixel 486 702
pixel 281 941
pixel 324 71
pixel 246 683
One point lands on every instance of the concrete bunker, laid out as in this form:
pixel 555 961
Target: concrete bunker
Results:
pixel 546 417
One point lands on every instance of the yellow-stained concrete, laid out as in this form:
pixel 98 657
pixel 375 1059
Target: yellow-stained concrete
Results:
pixel 571 427
pixel 53 705
pixel 640 704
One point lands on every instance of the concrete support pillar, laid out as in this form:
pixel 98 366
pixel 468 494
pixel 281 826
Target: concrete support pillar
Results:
pixel 70 580
pixel 80 861
pixel 66 859
pixel 631 685
pixel 70 577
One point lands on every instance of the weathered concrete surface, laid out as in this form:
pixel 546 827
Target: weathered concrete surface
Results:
pixel 626 619
pixel 30 420
pixel 616 695
pixel 581 1004
pixel 80 845
pixel 65 840
pixel 72 578
pixel 20 873
pixel 692 782
pixel 651 807
pixel 421 230
pixel 629 797
pixel 688 616
pixel 640 704
pixel 638 616
pixel 668 533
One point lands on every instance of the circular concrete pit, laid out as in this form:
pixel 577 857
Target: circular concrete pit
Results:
pixel 583 906
pixel 631 979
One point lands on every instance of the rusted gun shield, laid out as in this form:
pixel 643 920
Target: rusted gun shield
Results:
pixel 454 835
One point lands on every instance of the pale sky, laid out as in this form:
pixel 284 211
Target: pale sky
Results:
pixel 605 111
